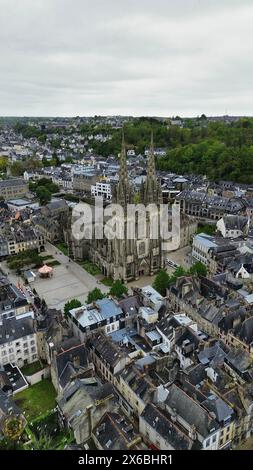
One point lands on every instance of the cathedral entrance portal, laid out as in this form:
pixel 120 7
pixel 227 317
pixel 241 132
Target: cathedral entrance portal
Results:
pixel 144 268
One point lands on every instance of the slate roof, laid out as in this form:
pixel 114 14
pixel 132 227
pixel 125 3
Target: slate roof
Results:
pixel 15 328
pixel 212 355
pixel 168 430
pixel 68 362
pixel 235 222
pixel 246 332
pixel 130 305
pixel 106 349
pixel 115 432
pixel 10 295
pixel 190 411
pixel 7 404
pixel 140 383
pixel 219 407
pixel 12 182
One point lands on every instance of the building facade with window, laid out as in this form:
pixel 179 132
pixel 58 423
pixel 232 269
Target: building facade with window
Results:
pixel 18 343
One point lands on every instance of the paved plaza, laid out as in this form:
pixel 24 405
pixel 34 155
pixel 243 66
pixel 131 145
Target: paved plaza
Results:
pixel 69 281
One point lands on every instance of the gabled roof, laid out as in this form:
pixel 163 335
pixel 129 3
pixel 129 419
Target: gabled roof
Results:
pixel 190 411
pixel 115 432
pixel 163 426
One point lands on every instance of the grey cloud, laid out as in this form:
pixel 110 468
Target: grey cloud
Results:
pixel 65 57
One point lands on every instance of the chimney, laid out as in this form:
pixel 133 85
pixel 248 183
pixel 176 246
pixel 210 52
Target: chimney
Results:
pixel 76 361
pixel 174 415
pixel 192 433
pixel 90 418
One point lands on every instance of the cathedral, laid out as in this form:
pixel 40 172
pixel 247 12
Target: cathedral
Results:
pixel 129 258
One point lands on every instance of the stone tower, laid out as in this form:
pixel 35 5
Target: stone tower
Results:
pixel 152 187
pixel 123 192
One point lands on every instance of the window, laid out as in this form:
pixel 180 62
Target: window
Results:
pixel 214 438
pixel 207 442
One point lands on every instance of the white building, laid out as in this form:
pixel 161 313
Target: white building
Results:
pixel 151 298
pixel 104 314
pixel 233 226
pixel 17 341
pixel 201 246
pixel 103 190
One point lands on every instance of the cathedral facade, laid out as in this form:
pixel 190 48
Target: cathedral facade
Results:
pixel 129 258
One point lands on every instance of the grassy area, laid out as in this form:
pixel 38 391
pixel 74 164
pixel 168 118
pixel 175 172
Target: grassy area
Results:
pixel 209 229
pixel 31 369
pixel 46 257
pixel 53 263
pixel 24 258
pixel 37 399
pixel 63 248
pixel 90 268
pixel 107 281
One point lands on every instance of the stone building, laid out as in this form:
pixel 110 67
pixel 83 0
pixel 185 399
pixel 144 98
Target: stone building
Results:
pixel 126 258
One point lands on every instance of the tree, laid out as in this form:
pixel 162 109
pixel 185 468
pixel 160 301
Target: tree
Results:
pixel 74 303
pixel 44 195
pixel 3 163
pixel 94 295
pixel 180 271
pixel 207 228
pixel 161 282
pixel 199 268
pixel 118 289
pixel 13 428
pixel 17 169
pixel 43 442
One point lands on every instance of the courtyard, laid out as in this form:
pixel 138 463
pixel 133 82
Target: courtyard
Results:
pixel 70 280
pixel 37 400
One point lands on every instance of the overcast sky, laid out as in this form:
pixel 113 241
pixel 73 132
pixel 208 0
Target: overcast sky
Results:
pixel 131 57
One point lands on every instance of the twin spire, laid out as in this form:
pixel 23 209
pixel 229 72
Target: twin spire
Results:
pixel 150 191
pixel 151 173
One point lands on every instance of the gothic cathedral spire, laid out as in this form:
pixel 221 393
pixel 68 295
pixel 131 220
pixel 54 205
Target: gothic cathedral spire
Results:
pixel 123 177
pixel 152 186
pixel 123 190
pixel 151 161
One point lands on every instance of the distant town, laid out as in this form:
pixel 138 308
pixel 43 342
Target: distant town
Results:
pixel 116 343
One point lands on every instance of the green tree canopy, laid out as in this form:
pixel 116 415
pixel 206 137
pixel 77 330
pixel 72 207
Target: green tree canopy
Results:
pixel 3 163
pixel 94 295
pixel 161 282
pixel 199 269
pixel 118 289
pixel 74 303
pixel 43 194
